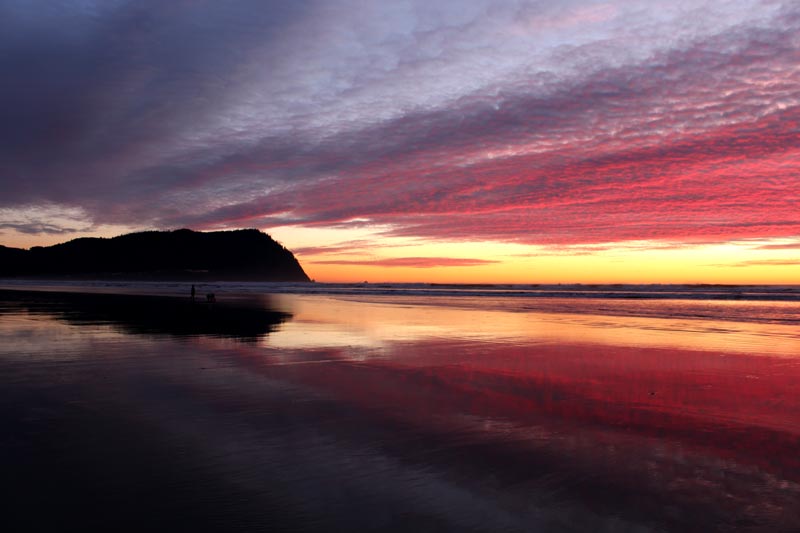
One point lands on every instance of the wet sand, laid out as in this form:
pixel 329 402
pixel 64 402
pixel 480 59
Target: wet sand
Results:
pixel 302 413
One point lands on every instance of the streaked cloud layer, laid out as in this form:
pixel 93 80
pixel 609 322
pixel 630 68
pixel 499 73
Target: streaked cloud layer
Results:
pixel 541 123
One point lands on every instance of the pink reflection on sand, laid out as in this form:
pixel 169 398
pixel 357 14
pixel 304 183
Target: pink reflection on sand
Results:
pixel 573 413
pixel 378 322
pixel 703 405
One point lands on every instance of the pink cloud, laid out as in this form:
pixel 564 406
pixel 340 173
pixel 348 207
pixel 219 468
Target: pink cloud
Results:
pixel 788 246
pixel 643 152
pixel 767 262
pixel 411 262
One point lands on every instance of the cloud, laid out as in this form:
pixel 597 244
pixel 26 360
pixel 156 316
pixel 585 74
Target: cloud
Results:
pixel 569 123
pixel 45 219
pixel 783 246
pixel 37 228
pixel 410 262
pixel 347 247
pixel 766 262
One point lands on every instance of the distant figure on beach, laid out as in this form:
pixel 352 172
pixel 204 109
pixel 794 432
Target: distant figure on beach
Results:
pixel 193 292
pixel 210 298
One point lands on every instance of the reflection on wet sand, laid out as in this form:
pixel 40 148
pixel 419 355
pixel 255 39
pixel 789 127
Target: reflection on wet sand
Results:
pixel 379 321
pixel 150 314
pixel 373 416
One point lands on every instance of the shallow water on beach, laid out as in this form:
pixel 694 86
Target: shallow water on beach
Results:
pixel 334 412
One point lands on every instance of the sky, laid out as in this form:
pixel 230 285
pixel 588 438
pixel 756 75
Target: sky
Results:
pixel 451 141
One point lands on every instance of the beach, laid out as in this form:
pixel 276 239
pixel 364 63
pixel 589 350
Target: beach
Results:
pixel 303 408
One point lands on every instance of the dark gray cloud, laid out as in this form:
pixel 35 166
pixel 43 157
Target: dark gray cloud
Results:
pixel 93 96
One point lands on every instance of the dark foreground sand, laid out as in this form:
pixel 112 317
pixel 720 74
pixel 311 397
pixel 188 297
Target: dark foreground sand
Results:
pixel 137 413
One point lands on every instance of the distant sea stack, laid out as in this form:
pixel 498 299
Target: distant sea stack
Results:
pixel 240 255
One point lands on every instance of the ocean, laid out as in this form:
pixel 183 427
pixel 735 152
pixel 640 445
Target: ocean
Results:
pixel 397 407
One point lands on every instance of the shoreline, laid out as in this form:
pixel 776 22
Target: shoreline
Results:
pixel 720 292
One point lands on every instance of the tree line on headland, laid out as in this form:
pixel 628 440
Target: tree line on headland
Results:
pixel 239 255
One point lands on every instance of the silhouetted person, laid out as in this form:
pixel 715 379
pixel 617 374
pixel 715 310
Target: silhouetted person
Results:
pixel 210 298
pixel 193 292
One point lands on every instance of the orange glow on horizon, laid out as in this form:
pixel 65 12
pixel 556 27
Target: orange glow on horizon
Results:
pixel 366 254
pixel 354 256
pixel 596 270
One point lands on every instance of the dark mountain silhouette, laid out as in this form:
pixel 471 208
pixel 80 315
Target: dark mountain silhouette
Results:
pixel 240 255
